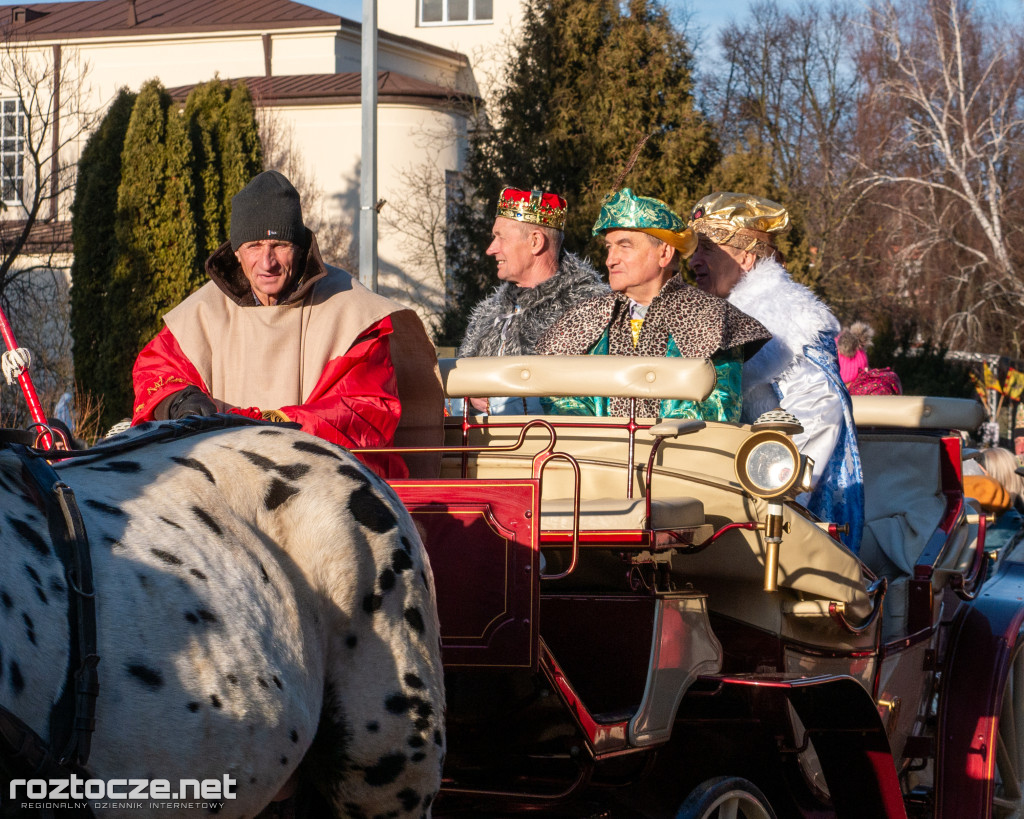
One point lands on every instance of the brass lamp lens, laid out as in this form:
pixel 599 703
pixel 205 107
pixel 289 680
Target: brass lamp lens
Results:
pixel 770 466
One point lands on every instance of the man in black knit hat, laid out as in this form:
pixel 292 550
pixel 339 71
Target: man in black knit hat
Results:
pixel 278 334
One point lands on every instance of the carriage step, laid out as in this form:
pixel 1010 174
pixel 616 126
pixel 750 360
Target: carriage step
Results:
pixel 615 717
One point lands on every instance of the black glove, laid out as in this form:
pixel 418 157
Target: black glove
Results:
pixel 190 401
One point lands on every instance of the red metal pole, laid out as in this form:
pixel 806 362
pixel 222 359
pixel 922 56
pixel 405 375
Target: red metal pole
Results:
pixel 25 380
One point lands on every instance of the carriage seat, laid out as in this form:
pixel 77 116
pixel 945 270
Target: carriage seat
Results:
pixel 903 492
pixel 916 412
pixel 630 377
pixel 900 454
pixel 618 514
pixel 686 379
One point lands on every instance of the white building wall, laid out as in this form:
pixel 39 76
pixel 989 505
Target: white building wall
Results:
pixel 416 146
pixel 402 18
pixel 486 44
pixel 445 70
pixel 181 60
pixel 300 53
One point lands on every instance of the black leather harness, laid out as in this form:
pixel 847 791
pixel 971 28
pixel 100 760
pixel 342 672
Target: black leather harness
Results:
pixel 73 716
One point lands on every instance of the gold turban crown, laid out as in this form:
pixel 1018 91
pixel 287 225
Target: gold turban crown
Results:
pixel 740 220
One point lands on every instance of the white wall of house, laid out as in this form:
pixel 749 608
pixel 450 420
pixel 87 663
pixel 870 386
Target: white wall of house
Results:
pixel 447 70
pixel 403 18
pixel 411 139
pixel 485 43
pixel 183 60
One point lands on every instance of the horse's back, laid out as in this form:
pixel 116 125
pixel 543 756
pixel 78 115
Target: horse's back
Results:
pixel 251 591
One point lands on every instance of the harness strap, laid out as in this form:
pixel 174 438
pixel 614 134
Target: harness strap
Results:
pixel 166 431
pixel 73 716
pixel 24 755
pixel 17 436
pixel 25 750
pixel 80 581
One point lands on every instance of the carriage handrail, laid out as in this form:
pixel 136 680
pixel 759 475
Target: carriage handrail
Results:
pixel 464 450
pixel 672 428
pixel 574 559
pixel 540 460
pixel 876 594
pixel 682 379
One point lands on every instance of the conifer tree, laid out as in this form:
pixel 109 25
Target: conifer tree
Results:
pixel 586 81
pixel 204 114
pixel 153 201
pixel 156 238
pixel 225 143
pixel 92 232
pixel 241 152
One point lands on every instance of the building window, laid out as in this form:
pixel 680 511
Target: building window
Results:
pixel 12 151
pixel 443 12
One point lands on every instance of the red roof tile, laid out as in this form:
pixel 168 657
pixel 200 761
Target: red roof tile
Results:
pixel 343 87
pixel 93 17
pixel 45 236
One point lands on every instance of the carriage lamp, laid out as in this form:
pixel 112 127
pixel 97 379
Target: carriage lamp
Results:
pixel 778 419
pixel 770 467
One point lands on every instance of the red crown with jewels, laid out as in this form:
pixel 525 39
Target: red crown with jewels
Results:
pixel 536 207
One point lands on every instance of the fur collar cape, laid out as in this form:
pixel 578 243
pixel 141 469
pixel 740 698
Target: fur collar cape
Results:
pixel 794 316
pixel 575 281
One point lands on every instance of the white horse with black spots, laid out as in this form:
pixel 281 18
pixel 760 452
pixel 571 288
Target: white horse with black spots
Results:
pixel 265 615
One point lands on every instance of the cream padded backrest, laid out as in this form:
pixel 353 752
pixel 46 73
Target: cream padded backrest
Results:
pixel 682 379
pixel 903 499
pixel 917 412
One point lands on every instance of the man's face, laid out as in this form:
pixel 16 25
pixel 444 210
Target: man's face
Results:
pixel 269 266
pixel 510 247
pixel 718 268
pixel 637 264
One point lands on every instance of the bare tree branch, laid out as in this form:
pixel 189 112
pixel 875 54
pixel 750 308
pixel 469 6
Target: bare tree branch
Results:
pixel 45 99
pixel 953 93
pixel 51 98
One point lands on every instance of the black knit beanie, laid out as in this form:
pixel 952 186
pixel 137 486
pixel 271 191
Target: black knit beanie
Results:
pixel 267 208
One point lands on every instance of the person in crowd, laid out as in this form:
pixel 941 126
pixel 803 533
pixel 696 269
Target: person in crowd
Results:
pixel 1005 466
pixel 280 335
pixel 852 344
pixel 540 281
pixel 1002 466
pixel 993 485
pixel 651 311
pixel 798 370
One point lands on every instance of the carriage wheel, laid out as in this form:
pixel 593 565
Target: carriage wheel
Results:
pixel 726 797
pixel 1008 796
